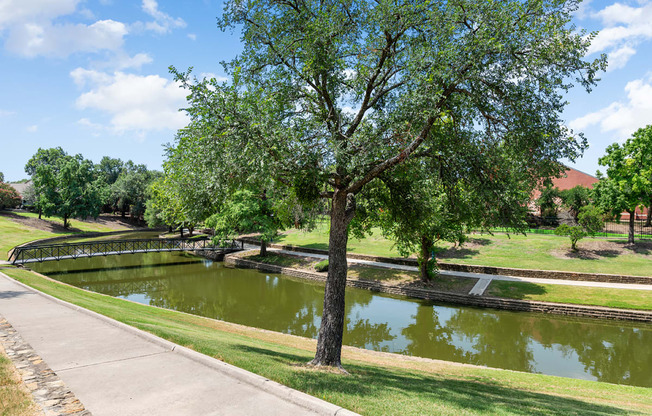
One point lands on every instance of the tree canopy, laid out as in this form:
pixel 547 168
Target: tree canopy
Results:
pixel 328 96
pixel 66 186
pixel 628 183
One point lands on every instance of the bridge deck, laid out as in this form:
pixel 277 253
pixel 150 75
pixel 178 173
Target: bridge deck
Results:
pixel 40 253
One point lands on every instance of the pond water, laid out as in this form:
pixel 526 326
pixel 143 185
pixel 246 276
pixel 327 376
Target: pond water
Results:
pixel 610 351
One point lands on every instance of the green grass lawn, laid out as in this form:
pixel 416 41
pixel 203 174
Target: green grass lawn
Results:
pixel 534 251
pixel 13 234
pixel 596 296
pixel 379 384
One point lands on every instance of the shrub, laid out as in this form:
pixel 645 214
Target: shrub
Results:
pixel 574 232
pixel 9 197
pixel 322 266
pixel 591 218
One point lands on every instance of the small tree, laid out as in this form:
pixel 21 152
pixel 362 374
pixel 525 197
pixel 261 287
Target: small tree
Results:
pixel 574 232
pixel 575 198
pixel 591 218
pixel 246 212
pixel 590 221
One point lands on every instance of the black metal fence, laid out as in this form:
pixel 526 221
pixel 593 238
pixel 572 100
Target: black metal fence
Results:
pixel 38 253
pixel 611 229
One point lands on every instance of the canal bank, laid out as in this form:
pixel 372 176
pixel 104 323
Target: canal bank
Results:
pixel 235 260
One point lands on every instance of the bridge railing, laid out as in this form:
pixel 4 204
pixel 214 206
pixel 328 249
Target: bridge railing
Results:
pixel 39 252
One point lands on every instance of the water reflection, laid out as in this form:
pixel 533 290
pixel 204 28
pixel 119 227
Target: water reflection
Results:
pixel 615 352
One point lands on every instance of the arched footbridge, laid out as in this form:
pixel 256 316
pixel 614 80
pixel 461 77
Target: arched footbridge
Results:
pixel 45 252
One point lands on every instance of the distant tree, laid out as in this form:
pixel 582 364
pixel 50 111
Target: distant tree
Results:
pixel 629 177
pixel 9 197
pixel 129 192
pixel 591 218
pixel 43 157
pixel 2 177
pixel 109 169
pixel 68 188
pixel 575 198
pixel 548 200
pixel 246 212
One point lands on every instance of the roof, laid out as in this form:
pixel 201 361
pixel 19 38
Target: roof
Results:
pixel 21 187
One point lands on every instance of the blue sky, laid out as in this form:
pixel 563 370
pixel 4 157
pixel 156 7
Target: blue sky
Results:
pixel 92 76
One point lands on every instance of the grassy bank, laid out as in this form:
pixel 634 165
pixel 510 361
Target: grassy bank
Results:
pixel 379 384
pixel 13 232
pixel 534 251
pixel 363 272
pixel 580 295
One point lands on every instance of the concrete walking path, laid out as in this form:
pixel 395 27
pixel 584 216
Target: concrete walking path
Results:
pixel 484 279
pixel 115 369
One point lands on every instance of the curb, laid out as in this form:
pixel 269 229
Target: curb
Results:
pixel 291 395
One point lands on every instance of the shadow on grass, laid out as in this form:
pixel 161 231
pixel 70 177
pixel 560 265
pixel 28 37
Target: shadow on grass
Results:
pixel 379 387
pixel 514 290
pixel 456 253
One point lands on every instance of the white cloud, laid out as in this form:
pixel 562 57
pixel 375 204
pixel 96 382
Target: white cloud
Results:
pixel 623 118
pixel 163 22
pixel 32 129
pixel 5 113
pixel 33 39
pixel 192 36
pixel 17 11
pixel 124 61
pixel 619 58
pixel 134 102
pixel 625 27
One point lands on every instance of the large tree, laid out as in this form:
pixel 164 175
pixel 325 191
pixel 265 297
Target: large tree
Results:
pixel 327 96
pixel 49 158
pixel 68 188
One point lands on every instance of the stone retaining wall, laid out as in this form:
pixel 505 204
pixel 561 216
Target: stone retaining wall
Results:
pixel 479 301
pixel 505 271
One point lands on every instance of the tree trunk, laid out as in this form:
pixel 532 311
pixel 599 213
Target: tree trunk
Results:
pixel 329 342
pixel 424 257
pixel 190 230
pixel 65 222
pixel 630 236
pixel 170 229
pixel 181 228
pixel 263 248
pixel 40 211
pixel 648 221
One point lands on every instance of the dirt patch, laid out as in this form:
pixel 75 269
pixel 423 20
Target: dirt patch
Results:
pixel 36 223
pixel 590 249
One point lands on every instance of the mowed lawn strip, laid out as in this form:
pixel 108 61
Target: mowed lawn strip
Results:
pixel 379 384
pixel 534 251
pixel 582 295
